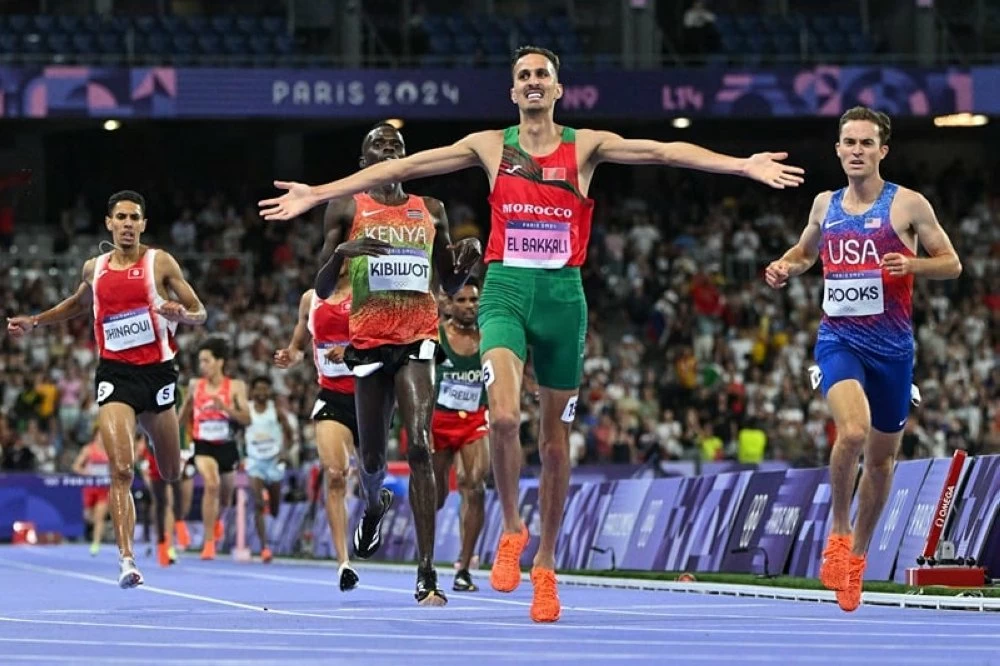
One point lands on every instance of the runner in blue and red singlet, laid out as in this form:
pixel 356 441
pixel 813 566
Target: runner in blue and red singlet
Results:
pixel 866 235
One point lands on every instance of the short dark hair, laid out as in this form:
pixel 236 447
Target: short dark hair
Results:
pixel 880 119
pixel 127 195
pixel 260 379
pixel 522 51
pixel 218 347
pixel 473 281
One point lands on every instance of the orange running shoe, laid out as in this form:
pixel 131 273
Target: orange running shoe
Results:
pixel 506 573
pixel 836 560
pixel 220 531
pixel 208 551
pixel 183 536
pixel 545 602
pixel 850 597
pixel 163 554
pixel 266 556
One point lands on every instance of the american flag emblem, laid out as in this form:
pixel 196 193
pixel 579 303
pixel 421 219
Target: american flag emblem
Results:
pixel 873 223
pixel 135 274
pixel 414 213
pixel 554 173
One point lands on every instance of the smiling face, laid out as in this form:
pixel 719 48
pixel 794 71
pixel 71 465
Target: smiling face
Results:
pixel 536 86
pixel 126 223
pixel 860 149
pixel 382 143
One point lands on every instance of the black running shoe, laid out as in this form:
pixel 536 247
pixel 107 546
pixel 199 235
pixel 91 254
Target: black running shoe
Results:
pixel 348 578
pixel 368 538
pixel 428 593
pixel 463 582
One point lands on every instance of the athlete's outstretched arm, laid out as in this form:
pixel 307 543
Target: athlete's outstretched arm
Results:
pixel 452 263
pixel 292 354
pixel 299 198
pixel 801 256
pixel 337 219
pixel 78 304
pixel 943 264
pixel 188 308
pixel 765 167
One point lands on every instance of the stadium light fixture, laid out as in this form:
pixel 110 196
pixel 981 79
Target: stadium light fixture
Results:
pixel 961 120
pixel 681 123
pixel 111 125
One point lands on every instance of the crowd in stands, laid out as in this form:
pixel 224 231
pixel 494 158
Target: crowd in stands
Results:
pixel 689 355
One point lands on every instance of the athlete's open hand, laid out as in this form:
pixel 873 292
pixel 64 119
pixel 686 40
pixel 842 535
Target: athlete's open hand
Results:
pixel 297 200
pixel 287 357
pixel 18 327
pixel 467 253
pixel 336 354
pixel 776 274
pixel 363 247
pixel 768 169
pixel 897 264
pixel 172 311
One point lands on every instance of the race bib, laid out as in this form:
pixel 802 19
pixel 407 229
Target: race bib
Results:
pixel 215 430
pixel 98 469
pixel 403 269
pixel 128 329
pixel 537 244
pixel 327 367
pixel 459 396
pixel 263 446
pixel 853 294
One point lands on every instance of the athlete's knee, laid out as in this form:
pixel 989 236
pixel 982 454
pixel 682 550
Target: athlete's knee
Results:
pixel 170 471
pixel 336 481
pixel 879 466
pixel 505 423
pixel 554 451
pixel 472 486
pixel 852 435
pixel 419 452
pixel 122 472
pixel 211 485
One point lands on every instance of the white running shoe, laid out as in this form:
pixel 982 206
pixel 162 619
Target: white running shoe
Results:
pixel 129 576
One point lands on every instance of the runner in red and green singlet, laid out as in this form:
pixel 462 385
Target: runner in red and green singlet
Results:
pixel 396 244
pixel 539 174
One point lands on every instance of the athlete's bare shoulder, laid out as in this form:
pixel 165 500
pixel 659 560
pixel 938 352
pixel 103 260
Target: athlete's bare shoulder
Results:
pixel 88 270
pixel 484 140
pixel 435 207
pixel 820 206
pixel 910 199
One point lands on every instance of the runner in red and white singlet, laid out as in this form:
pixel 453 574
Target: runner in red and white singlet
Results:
pixel 538 242
pixel 137 295
pixel 213 405
pixel 93 461
pixel 327 322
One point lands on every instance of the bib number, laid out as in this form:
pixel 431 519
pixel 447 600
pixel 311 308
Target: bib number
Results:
pixel 214 431
pixel 263 446
pixel 854 294
pixel 537 244
pixel 459 396
pixel 128 330
pixel 403 269
pixel 327 367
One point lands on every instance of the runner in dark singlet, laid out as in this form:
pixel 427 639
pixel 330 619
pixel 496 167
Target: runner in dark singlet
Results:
pixel 532 297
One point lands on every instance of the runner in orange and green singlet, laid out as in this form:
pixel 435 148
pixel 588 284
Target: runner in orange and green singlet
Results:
pixel 396 245
pixel 540 174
